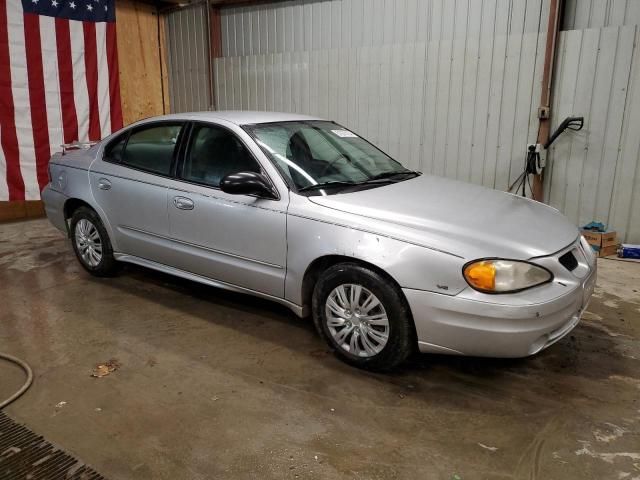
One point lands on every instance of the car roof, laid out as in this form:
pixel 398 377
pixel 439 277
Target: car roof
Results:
pixel 239 117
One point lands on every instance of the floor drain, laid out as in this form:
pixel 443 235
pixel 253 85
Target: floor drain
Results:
pixel 25 455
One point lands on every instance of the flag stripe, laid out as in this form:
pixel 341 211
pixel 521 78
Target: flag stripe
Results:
pixel 37 99
pixel 51 85
pixel 104 104
pixel 91 72
pixel 65 73
pixel 8 134
pixel 114 82
pixel 80 90
pixel 20 91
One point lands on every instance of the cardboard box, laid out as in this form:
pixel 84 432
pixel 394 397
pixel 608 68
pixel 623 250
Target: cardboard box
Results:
pixel 608 250
pixel 599 240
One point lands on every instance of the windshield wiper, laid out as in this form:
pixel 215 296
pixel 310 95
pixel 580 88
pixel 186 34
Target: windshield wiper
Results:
pixel 379 178
pixel 388 176
pixel 319 186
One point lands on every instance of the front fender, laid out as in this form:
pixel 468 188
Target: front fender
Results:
pixel 411 266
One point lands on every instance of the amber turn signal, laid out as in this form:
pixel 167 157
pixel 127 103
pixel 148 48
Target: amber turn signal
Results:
pixel 481 275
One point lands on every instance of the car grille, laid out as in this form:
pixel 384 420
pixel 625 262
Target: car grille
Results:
pixel 569 261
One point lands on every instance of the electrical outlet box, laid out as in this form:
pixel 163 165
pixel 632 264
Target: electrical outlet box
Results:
pixel 543 113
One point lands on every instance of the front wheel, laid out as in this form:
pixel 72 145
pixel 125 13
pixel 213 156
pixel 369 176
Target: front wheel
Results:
pixel 363 316
pixel 91 243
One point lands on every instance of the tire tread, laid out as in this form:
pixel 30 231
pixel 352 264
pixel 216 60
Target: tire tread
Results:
pixel 401 344
pixel 108 267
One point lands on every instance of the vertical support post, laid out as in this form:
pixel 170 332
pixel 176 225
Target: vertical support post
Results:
pixel 553 28
pixel 215 39
pixel 215 46
pixel 161 59
pixel 211 105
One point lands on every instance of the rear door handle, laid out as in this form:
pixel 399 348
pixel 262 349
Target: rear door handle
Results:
pixel 183 203
pixel 104 184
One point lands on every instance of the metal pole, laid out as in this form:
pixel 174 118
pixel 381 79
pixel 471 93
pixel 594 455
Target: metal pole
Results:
pixel 160 55
pixel 212 98
pixel 544 113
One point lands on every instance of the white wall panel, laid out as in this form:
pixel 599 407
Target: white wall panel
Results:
pixel 593 174
pixel 327 24
pixel 458 107
pixel 581 14
pixel 187 59
pixel 452 87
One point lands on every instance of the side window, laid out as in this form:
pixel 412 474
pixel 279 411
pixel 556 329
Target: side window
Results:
pixel 113 152
pixel 151 148
pixel 214 153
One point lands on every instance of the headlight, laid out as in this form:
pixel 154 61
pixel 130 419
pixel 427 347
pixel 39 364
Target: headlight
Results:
pixel 504 276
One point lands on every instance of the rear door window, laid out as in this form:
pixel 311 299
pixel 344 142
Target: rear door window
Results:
pixel 152 148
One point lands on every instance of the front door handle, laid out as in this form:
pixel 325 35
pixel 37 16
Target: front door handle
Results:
pixel 104 184
pixel 183 203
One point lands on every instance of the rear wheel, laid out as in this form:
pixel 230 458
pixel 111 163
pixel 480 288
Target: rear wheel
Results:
pixel 91 243
pixel 363 316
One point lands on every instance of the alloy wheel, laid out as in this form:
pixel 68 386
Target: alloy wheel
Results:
pixel 88 242
pixel 357 320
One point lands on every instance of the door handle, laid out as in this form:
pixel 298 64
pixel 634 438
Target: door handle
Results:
pixel 183 203
pixel 104 184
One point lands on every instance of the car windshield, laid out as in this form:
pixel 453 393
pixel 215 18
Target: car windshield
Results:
pixel 321 157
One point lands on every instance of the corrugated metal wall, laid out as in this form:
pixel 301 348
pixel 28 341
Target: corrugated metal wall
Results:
pixel 188 59
pixel 448 87
pixel 580 14
pixel 594 174
pixel 327 24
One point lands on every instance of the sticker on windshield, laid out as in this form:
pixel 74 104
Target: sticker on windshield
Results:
pixel 345 133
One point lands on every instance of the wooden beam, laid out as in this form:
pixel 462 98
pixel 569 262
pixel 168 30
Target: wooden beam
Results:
pixel 224 3
pixel 216 32
pixel 553 27
pixel 10 211
pixel 164 69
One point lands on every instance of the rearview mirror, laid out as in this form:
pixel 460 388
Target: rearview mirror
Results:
pixel 247 183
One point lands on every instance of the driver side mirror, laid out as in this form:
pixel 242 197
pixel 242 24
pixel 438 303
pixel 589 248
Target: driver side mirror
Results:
pixel 247 183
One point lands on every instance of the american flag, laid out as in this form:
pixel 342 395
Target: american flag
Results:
pixel 58 83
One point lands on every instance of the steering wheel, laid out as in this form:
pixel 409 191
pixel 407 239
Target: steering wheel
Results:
pixel 329 164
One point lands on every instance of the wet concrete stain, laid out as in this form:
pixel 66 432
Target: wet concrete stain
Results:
pixel 221 385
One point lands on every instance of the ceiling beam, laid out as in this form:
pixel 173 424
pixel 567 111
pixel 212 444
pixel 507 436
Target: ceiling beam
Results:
pixel 224 3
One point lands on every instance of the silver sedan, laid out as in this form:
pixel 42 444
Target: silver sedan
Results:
pixel 307 213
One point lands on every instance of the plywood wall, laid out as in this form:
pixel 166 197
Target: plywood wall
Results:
pixel 141 60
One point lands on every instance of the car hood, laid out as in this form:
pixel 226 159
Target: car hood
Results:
pixel 459 218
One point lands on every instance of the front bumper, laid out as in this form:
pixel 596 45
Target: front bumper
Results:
pixel 488 326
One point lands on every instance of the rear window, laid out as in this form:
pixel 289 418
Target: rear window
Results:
pixel 113 152
pixel 150 148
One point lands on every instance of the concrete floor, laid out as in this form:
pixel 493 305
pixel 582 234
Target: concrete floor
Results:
pixel 219 385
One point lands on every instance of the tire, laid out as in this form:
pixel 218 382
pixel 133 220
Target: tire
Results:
pixel 91 243
pixel 338 325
